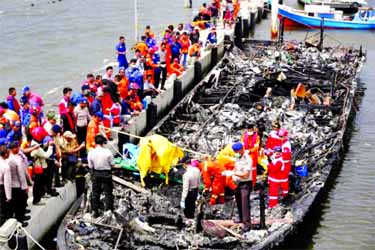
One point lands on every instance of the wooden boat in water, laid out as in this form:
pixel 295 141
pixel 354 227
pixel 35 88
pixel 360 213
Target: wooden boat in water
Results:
pixel 315 16
pixel 211 116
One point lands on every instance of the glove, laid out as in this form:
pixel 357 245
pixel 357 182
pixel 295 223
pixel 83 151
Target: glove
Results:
pixel 182 204
pixel 227 173
pixel 246 152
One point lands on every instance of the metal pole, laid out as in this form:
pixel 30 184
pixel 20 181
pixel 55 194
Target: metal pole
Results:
pixel 282 23
pixel 135 21
pixel 321 33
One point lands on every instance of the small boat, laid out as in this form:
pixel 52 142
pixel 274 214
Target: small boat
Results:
pixel 313 16
pixel 348 6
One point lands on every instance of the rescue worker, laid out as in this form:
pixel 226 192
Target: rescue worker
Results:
pixel 242 176
pixel 185 44
pixel 93 130
pixel 273 139
pixel 63 105
pixel 226 158
pixel 195 51
pixel 274 177
pixel 214 180
pixel 286 152
pixel 39 157
pixel 121 53
pixel 12 101
pixel 82 114
pixel 190 187
pixel 100 162
pixel 251 143
pixel 176 68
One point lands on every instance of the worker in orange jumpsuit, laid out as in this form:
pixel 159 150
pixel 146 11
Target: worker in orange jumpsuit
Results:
pixel 214 180
pixel 273 139
pixel 93 130
pixel 226 158
pixel 34 118
pixel 195 51
pixel 275 177
pixel 122 87
pixel 286 153
pixel 142 46
pixel 176 68
pixel 185 44
pixel 251 143
pixel 149 66
pixel 237 7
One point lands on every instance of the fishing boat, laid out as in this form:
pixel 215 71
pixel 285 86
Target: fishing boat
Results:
pixel 317 16
pixel 348 6
pixel 211 116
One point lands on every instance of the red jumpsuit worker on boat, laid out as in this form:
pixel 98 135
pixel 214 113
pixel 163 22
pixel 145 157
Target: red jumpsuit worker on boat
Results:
pixel 286 150
pixel 273 139
pixel 251 141
pixel 275 177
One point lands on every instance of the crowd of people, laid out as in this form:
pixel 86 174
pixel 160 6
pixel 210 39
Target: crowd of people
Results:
pixel 42 148
pixel 236 167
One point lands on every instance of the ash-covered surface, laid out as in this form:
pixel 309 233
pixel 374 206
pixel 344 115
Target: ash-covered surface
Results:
pixel 214 115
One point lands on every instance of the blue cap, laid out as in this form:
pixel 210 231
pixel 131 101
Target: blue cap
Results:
pixel 85 87
pixel 83 100
pixel 24 100
pixel 237 146
pixel 277 149
pixel 3 141
pixel 100 115
pixel 25 88
pixel 56 128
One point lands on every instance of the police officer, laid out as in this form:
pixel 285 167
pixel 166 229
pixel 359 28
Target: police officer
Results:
pixel 242 175
pixel 190 185
pixel 100 162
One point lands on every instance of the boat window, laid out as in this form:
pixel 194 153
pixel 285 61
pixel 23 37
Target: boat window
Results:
pixel 310 14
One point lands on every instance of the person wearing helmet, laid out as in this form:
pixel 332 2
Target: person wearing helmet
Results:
pixel 39 156
pixel 33 98
pixel 190 186
pixel 251 143
pixel 286 149
pixel 242 175
pixel 274 177
pixel 273 139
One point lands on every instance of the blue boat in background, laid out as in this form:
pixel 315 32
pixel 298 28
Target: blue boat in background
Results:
pixel 313 16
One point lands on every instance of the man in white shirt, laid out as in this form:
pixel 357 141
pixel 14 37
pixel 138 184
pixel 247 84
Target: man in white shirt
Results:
pixel 190 184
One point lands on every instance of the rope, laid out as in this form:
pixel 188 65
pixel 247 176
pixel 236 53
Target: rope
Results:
pixel 140 137
pixel 31 237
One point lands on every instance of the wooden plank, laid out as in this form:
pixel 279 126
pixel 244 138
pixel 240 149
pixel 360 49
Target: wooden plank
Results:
pixel 136 188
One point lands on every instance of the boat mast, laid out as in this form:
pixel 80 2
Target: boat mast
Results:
pixel 135 21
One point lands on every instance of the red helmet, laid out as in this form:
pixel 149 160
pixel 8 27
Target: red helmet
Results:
pixel 283 132
pixel 35 110
pixel 38 133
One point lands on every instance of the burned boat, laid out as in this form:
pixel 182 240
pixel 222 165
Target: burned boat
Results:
pixel 310 92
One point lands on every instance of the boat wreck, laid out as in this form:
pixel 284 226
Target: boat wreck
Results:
pixel 310 92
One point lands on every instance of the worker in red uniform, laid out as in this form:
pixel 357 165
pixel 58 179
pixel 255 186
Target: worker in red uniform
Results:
pixel 273 139
pixel 286 153
pixel 107 104
pixel 251 141
pixel 274 177
pixel 214 180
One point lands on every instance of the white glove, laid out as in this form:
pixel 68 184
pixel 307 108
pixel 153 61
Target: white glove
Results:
pixel 247 151
pixel 182 204
pixel 227 173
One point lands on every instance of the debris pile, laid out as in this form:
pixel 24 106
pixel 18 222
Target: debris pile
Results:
pixel 310 92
